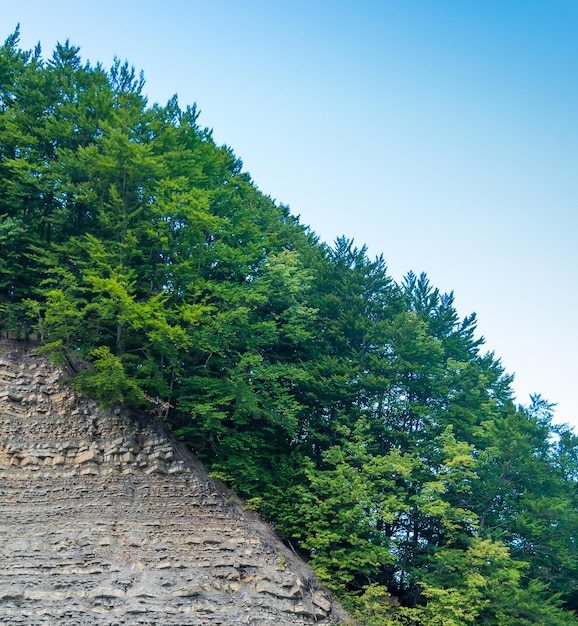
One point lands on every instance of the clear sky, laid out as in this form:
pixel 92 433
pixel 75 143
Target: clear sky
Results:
pixel 442 134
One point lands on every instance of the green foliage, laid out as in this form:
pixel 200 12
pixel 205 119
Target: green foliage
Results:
pixel 107 379
pixel 358 414
pixel 483 585
pixel 338 512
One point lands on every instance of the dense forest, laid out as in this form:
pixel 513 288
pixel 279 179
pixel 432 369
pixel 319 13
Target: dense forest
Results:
pixel 359 415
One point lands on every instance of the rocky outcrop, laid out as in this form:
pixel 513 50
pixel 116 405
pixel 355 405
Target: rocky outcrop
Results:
pixel 106 519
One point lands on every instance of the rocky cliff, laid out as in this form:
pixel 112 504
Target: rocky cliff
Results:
pixel 106 519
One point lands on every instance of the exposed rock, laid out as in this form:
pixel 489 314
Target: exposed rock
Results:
pixel 106 519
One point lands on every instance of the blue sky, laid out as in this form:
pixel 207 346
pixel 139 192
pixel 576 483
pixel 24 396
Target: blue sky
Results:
pixel 441 134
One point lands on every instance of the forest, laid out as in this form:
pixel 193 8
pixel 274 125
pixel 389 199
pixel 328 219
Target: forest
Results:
pixel 361 416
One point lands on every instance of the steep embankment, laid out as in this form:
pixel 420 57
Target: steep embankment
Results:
pixel 105 519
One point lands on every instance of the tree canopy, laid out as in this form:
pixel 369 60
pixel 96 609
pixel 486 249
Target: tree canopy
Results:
pixel 361 416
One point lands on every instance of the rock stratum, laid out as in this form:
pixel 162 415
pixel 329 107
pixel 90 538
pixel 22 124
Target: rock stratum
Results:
pixel 106 519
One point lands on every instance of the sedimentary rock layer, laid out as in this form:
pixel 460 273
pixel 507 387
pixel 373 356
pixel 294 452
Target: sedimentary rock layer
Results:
pixel 106 519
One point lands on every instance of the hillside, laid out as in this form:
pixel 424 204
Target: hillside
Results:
pixel 360 416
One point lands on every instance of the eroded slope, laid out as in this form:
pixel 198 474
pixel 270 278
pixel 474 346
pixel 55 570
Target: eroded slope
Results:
pixel 105 519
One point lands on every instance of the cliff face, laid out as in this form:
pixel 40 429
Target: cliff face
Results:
pixel 106 519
